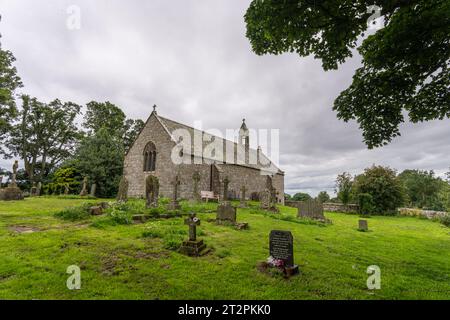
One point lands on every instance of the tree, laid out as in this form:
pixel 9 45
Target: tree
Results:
pixel 104 115
pixel 132 130
pixel 422 188
pixel 44 136
pixel 9 82
pixel 405 65
pixel 323 197
pixel 383 185
pixel 107 115
pixel 300 196
pixel 287 196
pixel 343 187
pixel 100 158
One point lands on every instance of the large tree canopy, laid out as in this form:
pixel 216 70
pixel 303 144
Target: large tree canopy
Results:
pixel 9 82
pixel 45 135
pixel 405 66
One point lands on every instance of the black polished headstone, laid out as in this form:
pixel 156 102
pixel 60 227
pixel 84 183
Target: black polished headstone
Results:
pixel 281 246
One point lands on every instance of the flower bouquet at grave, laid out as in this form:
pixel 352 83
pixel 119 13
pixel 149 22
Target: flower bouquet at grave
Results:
pixel 275 263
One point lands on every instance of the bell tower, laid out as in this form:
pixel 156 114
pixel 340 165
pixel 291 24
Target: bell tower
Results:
pixel 244 139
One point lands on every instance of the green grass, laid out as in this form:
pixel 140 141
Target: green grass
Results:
pixel 136 261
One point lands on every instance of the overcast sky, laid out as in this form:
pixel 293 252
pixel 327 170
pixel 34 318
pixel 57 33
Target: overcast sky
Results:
pixel 192 59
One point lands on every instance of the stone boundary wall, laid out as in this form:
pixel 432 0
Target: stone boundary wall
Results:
pixel 339 207
pixel 430 214
pixel 329 206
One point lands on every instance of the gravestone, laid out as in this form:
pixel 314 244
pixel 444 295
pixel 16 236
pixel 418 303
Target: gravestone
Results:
pixel 363 225
pixel 33 190
pixel 84 191
pixel 193 247
pixel 174 204
pixel 196 192
pixel 151 191
pixel 281 246
pixel 13 183
pixel 226 182
pixel 243 200
pixel 268 197
pixel 66 189
pixel 38 189
pixel 122 193
pixel 265 199
pixel 311 209
pixel 225 211
pixel 93 190
pixel 12 192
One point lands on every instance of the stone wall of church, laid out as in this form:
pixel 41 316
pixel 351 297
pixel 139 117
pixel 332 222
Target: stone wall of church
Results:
pixel 253 180
pixel 134 160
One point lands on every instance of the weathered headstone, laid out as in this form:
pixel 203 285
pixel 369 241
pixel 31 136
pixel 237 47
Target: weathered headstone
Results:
pixel 12 192
pixel 38 189
pixel 122 193
pixel 84 191
pixel 281 246
pixel 311 209
pixel 196 192
pixel 33 190
pixel 226 183
pixel 226 213
pixel 66 189
pixel 193 247
pixel 265 199
pixel 363 225
pixel 151 191
pixel 174 204
pixel 13 183
pixel 243 200
pixel 93 190
pixel 96 210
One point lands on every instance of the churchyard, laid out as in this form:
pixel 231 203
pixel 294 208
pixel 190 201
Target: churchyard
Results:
pixel 124 258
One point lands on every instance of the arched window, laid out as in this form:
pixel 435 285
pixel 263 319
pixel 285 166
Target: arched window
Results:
pixel 150 157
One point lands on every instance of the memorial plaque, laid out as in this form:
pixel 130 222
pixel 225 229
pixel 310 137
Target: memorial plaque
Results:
pixel 281 246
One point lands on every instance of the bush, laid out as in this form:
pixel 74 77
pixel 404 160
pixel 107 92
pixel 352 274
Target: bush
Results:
pixel 384 187
pixel 75 213
pixel 445 220
pixel 365 203
pixel 120 217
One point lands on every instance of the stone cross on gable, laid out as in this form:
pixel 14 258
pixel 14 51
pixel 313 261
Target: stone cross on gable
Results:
pixel 176 183
pixel 226 182
pixel 192 222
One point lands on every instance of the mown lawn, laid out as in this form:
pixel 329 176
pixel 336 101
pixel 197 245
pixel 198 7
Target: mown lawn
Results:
pixel 117 262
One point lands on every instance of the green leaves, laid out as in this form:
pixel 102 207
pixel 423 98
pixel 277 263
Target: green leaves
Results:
pixel 405 65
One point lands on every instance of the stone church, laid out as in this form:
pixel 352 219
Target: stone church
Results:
pixel 162 149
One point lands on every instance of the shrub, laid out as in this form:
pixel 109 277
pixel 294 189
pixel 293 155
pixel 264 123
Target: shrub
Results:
pixel 445 220
pixel 75 213
pixel 384 187
pixel 365 203
pixel 120 217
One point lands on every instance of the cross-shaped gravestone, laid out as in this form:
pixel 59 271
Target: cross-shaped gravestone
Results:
pixel 176 183
pixel 192 222
pixel 226 182
pixel 196 178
